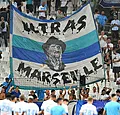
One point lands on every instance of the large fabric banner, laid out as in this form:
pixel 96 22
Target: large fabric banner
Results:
pixel 55 53
pixel 110 3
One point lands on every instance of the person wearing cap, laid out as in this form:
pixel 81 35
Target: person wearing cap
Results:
pixel 54 48
pixel 21 107
pixel 6 105
pixel 32 108
pixel 112 107
pixel 115 24
pixel 89 108
pixel 47 105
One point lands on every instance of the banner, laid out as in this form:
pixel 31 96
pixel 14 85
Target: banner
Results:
pixel 110 3
pixel 50 54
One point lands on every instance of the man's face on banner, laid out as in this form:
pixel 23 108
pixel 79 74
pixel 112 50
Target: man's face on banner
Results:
pixel 55 51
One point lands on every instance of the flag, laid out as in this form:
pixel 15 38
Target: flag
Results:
pixel 50 54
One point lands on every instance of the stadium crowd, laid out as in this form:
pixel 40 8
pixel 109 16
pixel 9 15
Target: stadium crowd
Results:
pixel 13 102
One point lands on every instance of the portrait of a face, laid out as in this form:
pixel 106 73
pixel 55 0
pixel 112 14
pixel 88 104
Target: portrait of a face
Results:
pixel 54 49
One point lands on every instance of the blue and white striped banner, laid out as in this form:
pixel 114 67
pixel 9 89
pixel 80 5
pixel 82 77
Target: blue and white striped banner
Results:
pixel 52 53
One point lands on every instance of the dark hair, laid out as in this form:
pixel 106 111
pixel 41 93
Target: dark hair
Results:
pixel 58 100
pixel 52 90
pixel 53 96
pixel 6 79
pixel 8 96
pixel 96 10
pixel 118 91
pixel 13 97
pixel 66 100
pixel 113 95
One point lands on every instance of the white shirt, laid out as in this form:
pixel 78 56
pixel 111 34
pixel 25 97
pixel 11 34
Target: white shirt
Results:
pixel 115 58
pixel 104 97
pixel 5 107
pixel 115 22
pixel 53 3
pixel 32 109
pixel 102 41
pixel 65 107
pixel 47 105
pixel 63 3
pixel 30 14
pixel 88 109
pixel 41 8
pixel 13 106
pixel 21 107
pixel 95 95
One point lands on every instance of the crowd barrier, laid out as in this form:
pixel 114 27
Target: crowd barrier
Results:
pixel 74 106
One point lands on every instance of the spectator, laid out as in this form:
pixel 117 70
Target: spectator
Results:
pixel 47 105
pixel 14 3
pixel 85 93
pixel 102 19
pixel 113 107
pixel 13 103
pixel 4 26
pixel 36 4
pixel 59 108
pixel 103 40
pixel 60 14
pixel 118 47
pixel 53 2
pixel 32 93
pixel 115 24
pixel 42 11
pixel 53 92
pixel 116 65
pixel 64 6
pixel 21 107
pixel 19 4
pixel 69 7
pixel 2 93
pixel 5 84
pixel 6 103
pixel 113 12
pixel 65 105
pixel 95 93
pixel 71 92
pixel 29 13
pixel 47 95
pixel 24 6
pixel 109 48
pixel 97 13
pixel 118 94
pixel 88 109
pixel 3 13
pixel 15 91
pixel 62 94
pixel 29 6
pixel 32 108
pixel 107 62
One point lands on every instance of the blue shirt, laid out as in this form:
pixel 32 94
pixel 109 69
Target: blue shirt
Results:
pixel 16 94
pixel 57 110
pixel 112 108
pixel 102 19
